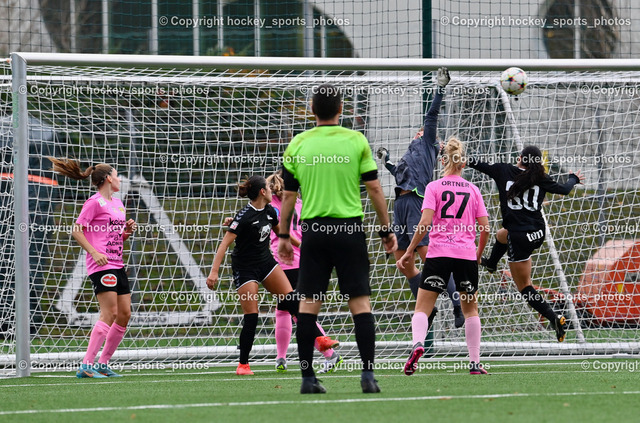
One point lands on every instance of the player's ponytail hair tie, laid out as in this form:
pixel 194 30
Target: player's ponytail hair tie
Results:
pixel 251 187
pixel 71 169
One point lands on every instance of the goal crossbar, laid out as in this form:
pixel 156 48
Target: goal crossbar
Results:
pixel 311 63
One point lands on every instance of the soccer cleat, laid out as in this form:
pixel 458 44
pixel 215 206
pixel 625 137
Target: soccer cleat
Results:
pixel 105 370
pixel 560 326
pixel 369 386
pixel 324 343
pixel 476 369
pixel 459 317
pixel 311 385
pixel 332 364
pixel 281 365
pixel 87 370
pixel 484 262
pixel 244 370
pixel 432 316
pixel 412 362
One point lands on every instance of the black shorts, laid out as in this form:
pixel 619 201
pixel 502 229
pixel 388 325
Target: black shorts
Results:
pixel 437 271
pixel 292 275
pixel 522 244
pixel 406 217
pixel 334 243
pixel 111 280
pixel 257 273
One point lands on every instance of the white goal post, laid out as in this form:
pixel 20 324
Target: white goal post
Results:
pixel 186 130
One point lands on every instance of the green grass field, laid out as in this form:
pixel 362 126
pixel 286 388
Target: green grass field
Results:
pixel 525 391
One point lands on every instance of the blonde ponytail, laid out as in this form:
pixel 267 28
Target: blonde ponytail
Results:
pixel 454 156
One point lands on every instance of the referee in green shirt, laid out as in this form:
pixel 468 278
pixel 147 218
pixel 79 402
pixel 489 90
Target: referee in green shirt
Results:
pixel 327 163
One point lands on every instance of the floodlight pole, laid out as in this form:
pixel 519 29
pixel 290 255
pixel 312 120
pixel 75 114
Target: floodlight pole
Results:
pixel 427 53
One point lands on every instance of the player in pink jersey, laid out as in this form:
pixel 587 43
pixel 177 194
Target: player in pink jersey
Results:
pixel 101 230
pixel 284 325
pixel 451 207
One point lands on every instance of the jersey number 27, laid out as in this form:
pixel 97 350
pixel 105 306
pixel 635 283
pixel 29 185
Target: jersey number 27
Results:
pixel 450 198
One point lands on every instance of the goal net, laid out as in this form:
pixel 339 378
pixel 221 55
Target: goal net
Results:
pixel 183 135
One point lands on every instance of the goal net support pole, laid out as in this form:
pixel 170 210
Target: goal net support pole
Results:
pixel 21 192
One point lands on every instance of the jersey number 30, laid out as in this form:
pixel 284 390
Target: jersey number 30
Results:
pixel 529 198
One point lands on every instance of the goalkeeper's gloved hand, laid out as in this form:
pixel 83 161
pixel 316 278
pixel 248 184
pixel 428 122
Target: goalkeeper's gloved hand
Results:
pixel 383 154
pixel 443 77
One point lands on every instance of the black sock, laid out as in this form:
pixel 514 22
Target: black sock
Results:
pixel 247 336
pixel 365 329
pixel 497 252
pixel 538 303
pixel 290 303
pixel 414 284
pixel 306 336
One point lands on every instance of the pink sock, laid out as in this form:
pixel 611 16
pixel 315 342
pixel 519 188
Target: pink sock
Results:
pixel 472 330
pixel 114 337
pixel 419 327
pixel 98 335
pixel 284 326
pixel 326 353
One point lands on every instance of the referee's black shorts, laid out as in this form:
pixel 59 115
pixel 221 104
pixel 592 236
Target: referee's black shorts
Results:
pixel 330 243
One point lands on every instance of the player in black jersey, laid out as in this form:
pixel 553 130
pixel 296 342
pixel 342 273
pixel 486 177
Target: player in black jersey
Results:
pixel 522 189
pixel 252 263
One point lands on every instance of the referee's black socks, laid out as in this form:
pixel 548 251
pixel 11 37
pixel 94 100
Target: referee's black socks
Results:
pixel 306 336
pixel 247 336
pixel 538 303
pixel 365 328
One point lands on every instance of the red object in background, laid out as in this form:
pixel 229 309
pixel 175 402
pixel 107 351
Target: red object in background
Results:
pixel 32 178
pixel 163 99
pixel 609 288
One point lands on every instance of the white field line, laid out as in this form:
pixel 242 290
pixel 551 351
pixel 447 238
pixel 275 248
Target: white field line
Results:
pixel 253 379
pixel 310 402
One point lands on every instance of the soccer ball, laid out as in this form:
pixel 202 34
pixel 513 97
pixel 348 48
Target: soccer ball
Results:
pixel 513 81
